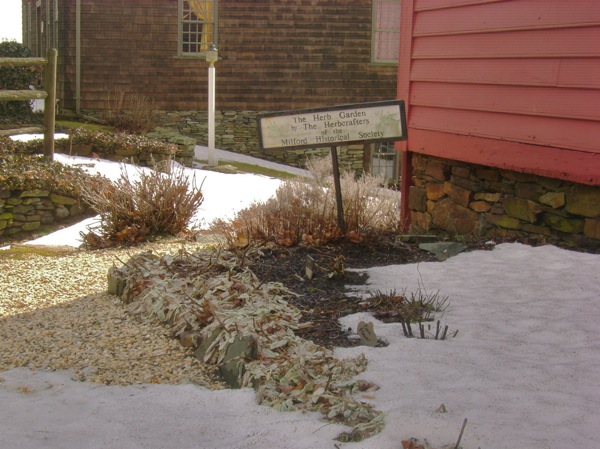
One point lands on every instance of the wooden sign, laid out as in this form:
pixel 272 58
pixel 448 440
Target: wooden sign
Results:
pixel 383 121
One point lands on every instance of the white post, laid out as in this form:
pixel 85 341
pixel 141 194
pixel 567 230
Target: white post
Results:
pixel 212 157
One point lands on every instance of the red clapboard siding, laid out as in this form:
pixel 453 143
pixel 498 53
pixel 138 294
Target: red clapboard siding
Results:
pixel 424 5
pixel 523 14
pixel 576 166
pixel 562 42
pixel 511 84
pixel 538 101
pixel 559 72
pixel 552 132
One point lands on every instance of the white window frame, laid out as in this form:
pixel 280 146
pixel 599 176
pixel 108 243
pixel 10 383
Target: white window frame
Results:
pixel 385 39
pixel 187 47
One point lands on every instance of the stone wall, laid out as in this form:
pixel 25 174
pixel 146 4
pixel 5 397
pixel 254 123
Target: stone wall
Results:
pixel 466 199
pixel 237 131
pixel 23 213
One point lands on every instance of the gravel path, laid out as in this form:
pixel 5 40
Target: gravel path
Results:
pixel 55 314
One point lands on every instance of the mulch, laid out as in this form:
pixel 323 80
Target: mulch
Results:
pixel 324 298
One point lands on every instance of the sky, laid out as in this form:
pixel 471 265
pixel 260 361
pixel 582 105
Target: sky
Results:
pixel 10 20
pixel 523 369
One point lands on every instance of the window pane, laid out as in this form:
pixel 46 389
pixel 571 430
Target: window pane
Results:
pixel 386 30
pixel 198 24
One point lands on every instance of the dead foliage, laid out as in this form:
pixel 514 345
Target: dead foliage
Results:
pixel 135 207
pixel 304 211
pixel 130 112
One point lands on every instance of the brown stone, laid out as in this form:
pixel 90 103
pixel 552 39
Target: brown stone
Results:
pixel 583 200
pixel 591 228
pixel 430 205
pixel 454 218
pixel 553 199
pixel 419 162
pixel 517 176
pixel 533 229
pixel 420 221
pixel 521 208
pixel 436 169
pixel 480 206
pixel 562 224
pixel 474 186
pixel 489 197
pixel 462 172
pixel 504 221
pixel 487 174
pixel 417 199
pixel 457 194
pixel 434 191
pixel 528 190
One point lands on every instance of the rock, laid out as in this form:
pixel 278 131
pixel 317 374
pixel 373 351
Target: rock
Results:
pixel 522 209
pixel 583 200
pixel 61 212
pixel 454 218
pixel 417 199
pixel 367 334
pixel 591 228
pixel 443 250
pixel 117 281
pixel 62 200
pixel 243 348
pixel 418 238
pixel 553 199
pixel 189 339
pixel 36 193
pixel 504 221
pixel 562 224
pixel 31 226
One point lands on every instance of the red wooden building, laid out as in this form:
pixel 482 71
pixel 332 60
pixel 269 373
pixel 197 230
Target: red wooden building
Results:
pixel 503 97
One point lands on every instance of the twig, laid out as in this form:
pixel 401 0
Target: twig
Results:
pixel 461 433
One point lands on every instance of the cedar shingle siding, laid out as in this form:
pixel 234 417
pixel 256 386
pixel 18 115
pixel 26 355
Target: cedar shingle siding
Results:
pixel 274 55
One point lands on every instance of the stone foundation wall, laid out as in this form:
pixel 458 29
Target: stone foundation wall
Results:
pixel 465 199
pixel 237 131
pixel 23 213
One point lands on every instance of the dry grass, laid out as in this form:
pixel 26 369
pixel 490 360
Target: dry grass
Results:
pixel 303 211
pixel 130 112
pixel 131 210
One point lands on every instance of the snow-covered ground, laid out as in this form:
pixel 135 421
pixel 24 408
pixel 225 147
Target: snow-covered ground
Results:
pixel 523 369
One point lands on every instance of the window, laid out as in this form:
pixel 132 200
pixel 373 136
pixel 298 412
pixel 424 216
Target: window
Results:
pixel 386 31
pixel 197 26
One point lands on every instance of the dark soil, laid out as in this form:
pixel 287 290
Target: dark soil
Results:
pixel 323 299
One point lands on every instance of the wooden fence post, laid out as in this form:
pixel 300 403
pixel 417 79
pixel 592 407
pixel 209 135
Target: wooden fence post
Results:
pixel 50 103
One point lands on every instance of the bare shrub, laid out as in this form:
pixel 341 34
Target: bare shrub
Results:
pixel 130 112
pixel 304 211
pixel 134 207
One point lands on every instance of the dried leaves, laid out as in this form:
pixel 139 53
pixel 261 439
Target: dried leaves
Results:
pixel 214 295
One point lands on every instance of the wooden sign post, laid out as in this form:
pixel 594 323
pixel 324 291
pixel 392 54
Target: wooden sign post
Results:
pixel 383 121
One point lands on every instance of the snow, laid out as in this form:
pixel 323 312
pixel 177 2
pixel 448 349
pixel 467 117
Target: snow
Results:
pixel 523 368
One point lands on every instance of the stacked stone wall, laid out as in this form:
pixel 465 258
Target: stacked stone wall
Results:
pixel 465 199
pixel 23 213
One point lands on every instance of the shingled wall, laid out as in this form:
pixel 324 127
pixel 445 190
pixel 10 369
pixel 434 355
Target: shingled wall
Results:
pixel 273 55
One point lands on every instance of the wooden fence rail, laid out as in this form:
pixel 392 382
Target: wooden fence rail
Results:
pixel 48 95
